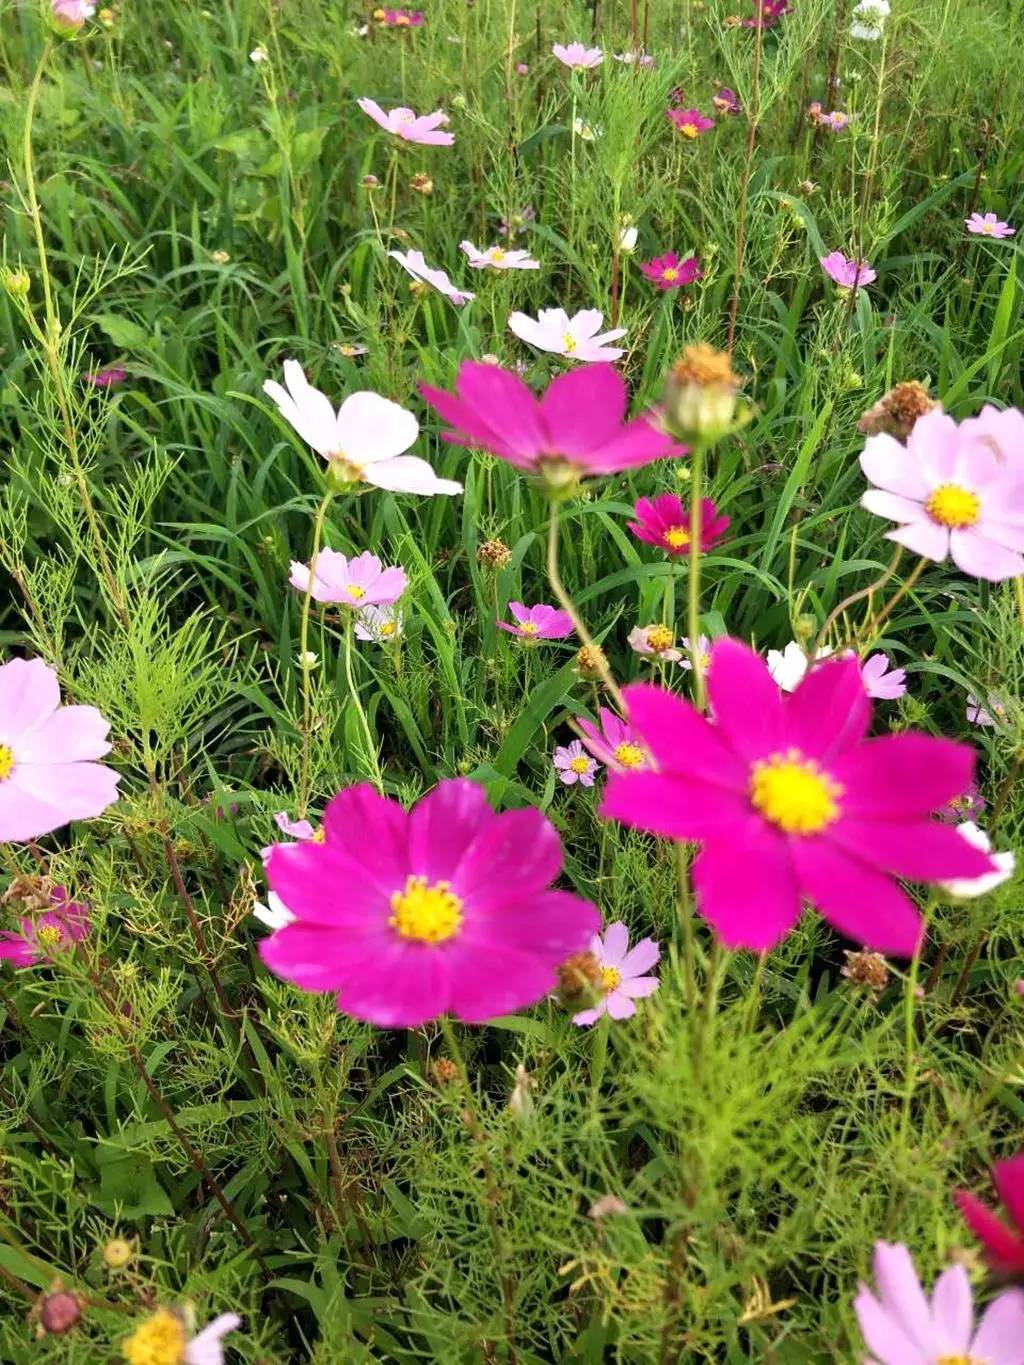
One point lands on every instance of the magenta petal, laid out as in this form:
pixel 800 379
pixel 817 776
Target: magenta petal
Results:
pixel 370 830
pixel 506 981
pixel 676 806
pixel 324 885
pixel 515 857
pixel 551 924
pixel 829 711
pixel 900 776
pixel 496 395
pixel 922 850
pixel 745 700
pixel 1009 1178
pixel 640 442
pixel 1004 1247
pixel 403 989
pixel 303 954
pixel 583 409
pixel 443 826
pixel 746 889
pixel 681 738
pixel 863 904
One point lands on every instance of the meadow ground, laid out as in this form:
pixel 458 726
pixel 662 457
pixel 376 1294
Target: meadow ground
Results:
pixel 380 1093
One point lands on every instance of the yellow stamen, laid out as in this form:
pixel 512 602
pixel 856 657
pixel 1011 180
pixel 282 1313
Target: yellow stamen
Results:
pixel 386 629
pixel 792 792
pixel 49 935
pixel 659 638
pixel 426 914
pixel 671 274
pixel 318 836
pixel 953 506
pixel 6 762
pixel 159 1341
pixel 688 129
pixel 529 627
pixel 677 536
pixel 629 756
pixel 611 978
pixel 497 254
pixel 356 591
pixel 568 343
pixel 580 765
pixel 959 1360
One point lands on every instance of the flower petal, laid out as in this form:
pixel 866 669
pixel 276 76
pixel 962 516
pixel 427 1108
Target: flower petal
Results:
pixel 746 889
pixel 745 701
pixel 862 903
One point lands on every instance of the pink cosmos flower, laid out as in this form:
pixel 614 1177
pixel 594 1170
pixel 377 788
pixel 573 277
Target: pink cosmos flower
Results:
pixel 1004 1245
pixel 791 802
pixel 108 378
pixel 703 650
pixel 847 273
pixel 882 682
pixel 379 625
pixel 968 805
pixel 48 773
pixel 39 937
pixel 578 426
pixel 988 225
pixel 654 642
pixel 498 258
pixel 726 101
pixel 951 494
pixel 442 909
pixel 576 338
pixel 574 764
pixel 400 18
pixel 665 522
pixel 836 121
pixel 638 58
pixel 70 15
pixel 522 69
pixel 414 263
pixel 363 440
pixel 669 272
pixel 903 1327
pixel 992 713
pixel 1002 430
pixel 615 742
pixel 577 56
pixel 690 122
pixel 768 15
pixel 538 623
pixel 298 829
pixel 410 127
pixel 355 583
pixel 623 980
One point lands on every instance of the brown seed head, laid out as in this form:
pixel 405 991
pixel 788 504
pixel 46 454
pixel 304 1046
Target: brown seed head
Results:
pixel 866 969
pixel 493 554
pixel 589 660
pixel 897 413
pixel 705 366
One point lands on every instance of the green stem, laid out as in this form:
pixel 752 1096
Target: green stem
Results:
pixel 304 662
pixel 566 603
pixel 686 926
pixel 353 690
pixel 693 599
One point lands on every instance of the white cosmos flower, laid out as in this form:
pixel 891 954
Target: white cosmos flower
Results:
pixel 364 439
pixel 498 258
pixel 977 886
pixel 789 665
pixel 275 914
pixel 869 20
pixel 382 625
pixel 627 239
pixel 576 338
pixel 416 265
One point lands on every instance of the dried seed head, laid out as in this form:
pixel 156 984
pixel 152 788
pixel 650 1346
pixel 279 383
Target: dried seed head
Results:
pixel 445 1071
pixel 421 183
pixel 590 660
pixel 493 554
pixel 579 974
pixel 866 969
pixel 28 893
pixel 897 413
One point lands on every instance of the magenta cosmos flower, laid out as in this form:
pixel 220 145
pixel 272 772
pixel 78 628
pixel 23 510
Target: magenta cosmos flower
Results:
pixel 108 378
pixel 624 978
pixel 988 225
pixel 615 742
pixel 407 915
pixel 1004 1245
pixel 48 773
pixel 953 494
pixel 792 802
pixel 768 15
pixel 669 272
pixel 538 623
pixel 409 126
pixel 726 101
pixel 690 122
pixel 38 938
pixel 847 272
pixel 903 1327
pixel 356 583
pixel 577 428
pixel 665 522
pixel 573 764
pixel 400 18
pixel 577 56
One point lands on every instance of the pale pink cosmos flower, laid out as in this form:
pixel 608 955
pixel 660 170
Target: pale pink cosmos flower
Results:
pixel 614 742
pixel 847 272
pixel 573 764
pixel 789 666
pixel 882 682
pixel 409 126
pixel 541 622
pixel 1002 430
pixel 354 583
pixel 48 772
pixel 624 978
pixel 988 225
pixel 380 625
pixel 298 829
pixel 703 652
pixel 363 440
pixel 575 338
pixel 577 56
pixel 414 263
pixel 901 1326
pixel 70 15
pixel 952 495
pixel 498 258
pixel 654 642
pixel 990 713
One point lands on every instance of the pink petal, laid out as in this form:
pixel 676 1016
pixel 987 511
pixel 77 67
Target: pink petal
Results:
pixel 884 1333
pixel 886 464
pixel 515 857
pixel 485 986
pixel 746 889
pixel 443 826
pixel 500 397
pixel 1001 1331
pixel 640 442
pixel 640 959
pixel 1009 1178
pixel 1004 1247
pixel 305 954
pixel 901 1294
pixel 982 558
pixel 29 693
pixel 619 1005
pixel 69 734
pixel 583 410
pixel 925 538
pixel 681 738
pixel 863 904
pixel 636 987
pixel 205 1347
pixel 900 776
pixel 552 924
pixel 370 831
pixel 38 798
pixel 616 943
pixel 745 701
pixel 953 1311
pixel 586 1017
pixel 922 850
pixel 892 505
pixel 674 805
pixel 829 712
pixel 934 444
pixel 405 990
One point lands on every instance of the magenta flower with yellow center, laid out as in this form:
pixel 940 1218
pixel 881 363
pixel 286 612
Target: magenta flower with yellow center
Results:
pixel 615 742
pixel 664 521
pixel 39 938
pixel 541 622
pixel 847 272
pixel 792 802
pixel 444 909
pixel 669 272
pixel 953 492
pixel 356 583
pixel 690 122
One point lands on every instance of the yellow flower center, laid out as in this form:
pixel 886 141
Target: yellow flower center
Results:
pixel 671 274
pixel 402 20
pixel 629 756
pixel 611 978
pixel 568 343
pixel 386 629
pixel 356 591
pixel 529 628
pixel 959 1360
pixel 318 836
pixel 6 762
pixel 792 792
pixel 659 637
pixel 953 506
pixel 49 935
pixel 426 914
pixel 344 470
pixel 497 255
pixel 988 229
pixel 677 536
pixel 580 765
pixel 159 1341
pixel 688 129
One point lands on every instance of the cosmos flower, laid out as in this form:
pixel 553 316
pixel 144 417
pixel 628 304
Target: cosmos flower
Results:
pixel 410 127
pixel 1005 864
pixel 903 1327
pixel 638 58
pixel 792 802
pixel 988 225
pixel 498 258
pixel 614 742
pixel 38 938
pixel 968 805
pixel 164 1339
pixel 836 121
pixel 108 378
pixel 48 772
pixel 655 641
pixel 363 441
pixel 414 263
pixel 354 583
pixel 573 764
pixel 1002 430
pixel 665 522
pixel 846 272
pixel 1004 1244
pixel 768 15
pixel 882 682
pixel 538 623
pixel 690 122
pixel 623 978
pixel 296 829
pixel 951 494
pixel 70 15
pixel 703 651
pixel 627 239
pixel 444 909
pixel 576 428
pixel 726 101
pixel 400 18
pixel 382 625
pixel 577 56
pixel 789 666
pixel 869 18
pixel 992 713
pixel 669 272
pixel 575 338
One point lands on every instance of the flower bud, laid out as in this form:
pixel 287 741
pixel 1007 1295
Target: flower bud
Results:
pixel 58 1312
pixel 117 1253
pixel 701 395
pixel 17 283
pixel 69 16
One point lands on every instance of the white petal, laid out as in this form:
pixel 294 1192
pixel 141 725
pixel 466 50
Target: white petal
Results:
pixel 409 474
pixel 372 428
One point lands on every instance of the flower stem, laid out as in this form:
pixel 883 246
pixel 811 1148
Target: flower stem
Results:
pixel 353 690
pixel 693 610
pixel 686 927
pixel 567 605
pixel 853 597
pixel 873 623
pixel 307 705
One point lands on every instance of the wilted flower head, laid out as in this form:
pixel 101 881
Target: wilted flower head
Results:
pixel 897 411
pixel 702 394
pixel 769 12
pixel 726 101
pixel 493 554
pixel 421 183
pixel 847 272
pixel 399 18
pixel 410 127
pixel 58 1311
pixel 866 969
pixel 515 224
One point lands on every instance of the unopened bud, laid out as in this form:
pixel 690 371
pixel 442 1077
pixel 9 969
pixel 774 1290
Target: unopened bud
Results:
pixel 58 1312
pixel 702 395
pixel 493 554
pixel 117 1253
pixel 17 283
